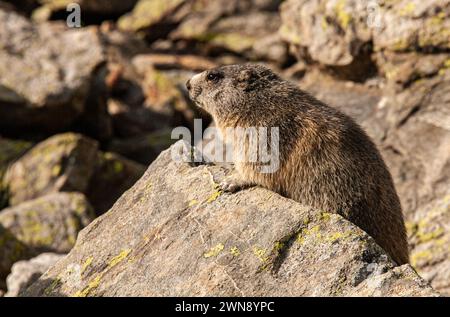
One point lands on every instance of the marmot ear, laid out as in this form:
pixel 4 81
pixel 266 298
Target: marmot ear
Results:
pixel 246 78
pixel 246 75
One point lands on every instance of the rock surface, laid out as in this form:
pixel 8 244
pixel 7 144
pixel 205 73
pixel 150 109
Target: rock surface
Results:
pixel 343 33
pixel 47 90
pixel 174 233
pixel 248 28
pixel 64 162
pixel 12 250
pixel 239 34
pixel 335 31
pixel 420 166
pixel 428 233
pixel 24 273
pixel 417 150
pixel 149 15
pixel 112 176
pixel 10 150
pixel 47 224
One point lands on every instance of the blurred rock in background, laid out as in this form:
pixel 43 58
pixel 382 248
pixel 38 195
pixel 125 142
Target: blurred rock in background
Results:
pixel 46 224
pixel 84 111
pixel 25 273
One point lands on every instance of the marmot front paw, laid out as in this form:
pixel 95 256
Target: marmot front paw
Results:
pixel 233 185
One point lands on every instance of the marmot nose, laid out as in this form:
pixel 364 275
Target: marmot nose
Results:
pixel 188 84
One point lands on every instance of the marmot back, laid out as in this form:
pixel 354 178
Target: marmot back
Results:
pixel 326 160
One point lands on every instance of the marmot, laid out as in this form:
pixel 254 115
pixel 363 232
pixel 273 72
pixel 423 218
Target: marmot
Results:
pixel 326 160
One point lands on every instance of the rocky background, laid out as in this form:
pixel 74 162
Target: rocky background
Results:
pixel 84 111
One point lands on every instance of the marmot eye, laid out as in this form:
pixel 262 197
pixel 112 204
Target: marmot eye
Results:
pixel 213 76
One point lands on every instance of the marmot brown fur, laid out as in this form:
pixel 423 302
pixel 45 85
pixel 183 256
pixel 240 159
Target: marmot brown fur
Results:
pixel 326 160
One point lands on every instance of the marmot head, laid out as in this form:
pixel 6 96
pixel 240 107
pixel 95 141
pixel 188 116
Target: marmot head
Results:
pixel 227 90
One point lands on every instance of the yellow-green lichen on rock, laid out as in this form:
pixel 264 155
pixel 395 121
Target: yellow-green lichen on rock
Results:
pixel 315 231
pixel 90 288
pixel 408 9
pixel 435 34
pixel 11 150
pixel 53 286
pixel 86 264
pixel 94 283
pixel 290 35
pixel 235 251
pixel 216 194
pixel 193 202
pixel 261 253
pixel 119 258
pixel 343 16
pixel 214 251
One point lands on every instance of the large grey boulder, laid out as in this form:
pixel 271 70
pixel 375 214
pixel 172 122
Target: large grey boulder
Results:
pixel 174 233
pixel 45 73
pixel 335 31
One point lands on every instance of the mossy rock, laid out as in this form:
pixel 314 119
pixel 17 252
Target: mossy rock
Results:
pixel 341 32
pixel 50 223
pixel 237 33
pixel 64 162
pixel 413 25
